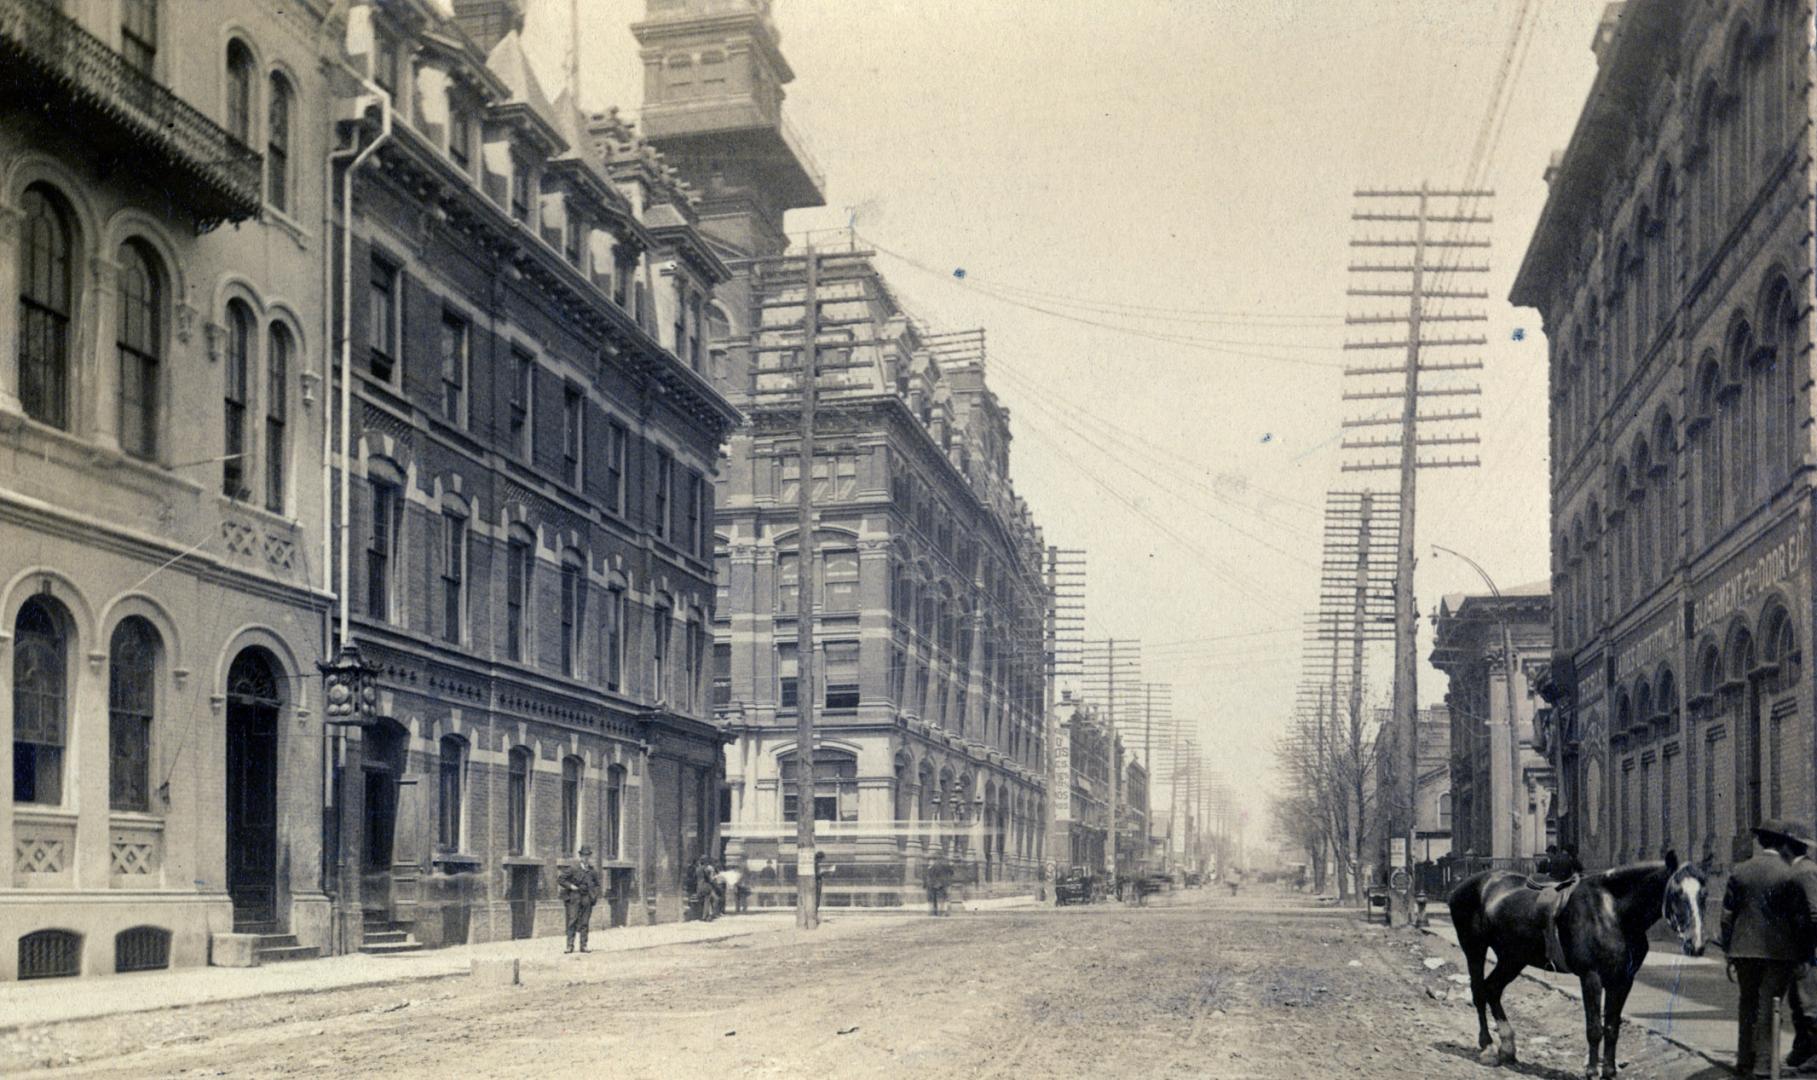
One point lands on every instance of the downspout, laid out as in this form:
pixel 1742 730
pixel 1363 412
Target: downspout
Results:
pixel 345 516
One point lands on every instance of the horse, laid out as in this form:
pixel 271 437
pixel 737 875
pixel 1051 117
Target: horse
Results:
pixel 1601 923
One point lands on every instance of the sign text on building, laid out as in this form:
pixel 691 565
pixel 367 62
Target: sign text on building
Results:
pixel 1773 565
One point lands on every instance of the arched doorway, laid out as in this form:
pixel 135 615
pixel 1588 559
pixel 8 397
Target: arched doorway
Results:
pixel 254 697
pixel 383 766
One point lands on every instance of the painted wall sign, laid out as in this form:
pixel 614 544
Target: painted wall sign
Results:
pixel 1644 652
pixel 1772 566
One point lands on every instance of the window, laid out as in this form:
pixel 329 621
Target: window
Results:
pixel 139 34
pixel 132 665
pixel 665 474
pixel 571 773
pixel 614 813
pixel 788 583
pixel 523 376
pixel 384 62
pixel 695 318
pixel 520 192
pixel 574 598
pixel 277 145
pixel 139 343
pixel 573 237
pixel 571 438
pixel 451 769
pixel 722 673
pixel 787 674
pixel 722 583
pixel 50 954
pixel 518 561
pixel 45 303
pixel 616 438
pixel 277 410
pixel 454 576
pixel 624 269
pixel 460 135
pixel 142 948
pixel 842 675
pixel 835 786
pixel 380 548
pixel 697 497
pixel 239 91
pixel 615 637
pixel 841 569
pixel 694 659
pixel 40 702
pixel 381 329
pixel 455 357
pixel 659 653
pixel 517 800
pixel 236 447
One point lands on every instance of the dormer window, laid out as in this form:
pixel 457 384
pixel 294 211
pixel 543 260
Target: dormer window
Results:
pixel 520 192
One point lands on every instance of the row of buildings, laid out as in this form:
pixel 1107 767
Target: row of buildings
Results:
pixel 1673 267
pixel 554 350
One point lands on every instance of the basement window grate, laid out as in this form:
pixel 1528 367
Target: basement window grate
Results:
pixel 143 948
pixel 50 954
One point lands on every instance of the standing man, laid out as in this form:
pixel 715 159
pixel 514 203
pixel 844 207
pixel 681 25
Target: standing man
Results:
pixel 934 877
pixel 1769 923
pixel 579 888
pixel 1803 994
pixel 821 870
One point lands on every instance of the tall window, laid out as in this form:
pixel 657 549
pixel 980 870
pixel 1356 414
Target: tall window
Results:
pixel 451 769
pixel 277 412
pixel 45 302
pixel 520 192
pixel 615 637
pixel 277 145
pixel 659 653
pixel 665 475
pixel 40 702
pixel 139 35
pixel 523 377
pixel 788 583
pixel 1709 450
pixel 382 322
pixel 460 134
pixel 788 674
pixel 517 800
pixel 239 91
pixel 614 812
pixel 381 547
pixel 841 570
pixel 616 438
pixel 571 773
pixel 574 598
pixel 455 353
pixel 571 421
pixel 236 446
pixel 454 576
pixel 697 497
pixel 518 558
pixel 1780 319
pixel 139 342
pixel 842 675
pixel 131 702
pixel 835 786
pixel 722 673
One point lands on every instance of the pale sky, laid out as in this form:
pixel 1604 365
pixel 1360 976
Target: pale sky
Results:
pixel 1185 167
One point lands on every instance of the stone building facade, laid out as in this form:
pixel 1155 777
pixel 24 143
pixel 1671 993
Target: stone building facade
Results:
pixel 161 574
pixel 531 544
pixel 1672 267
pixel 1486 796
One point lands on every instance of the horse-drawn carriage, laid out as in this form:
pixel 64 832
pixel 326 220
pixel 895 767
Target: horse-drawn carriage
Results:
pixel 1078 887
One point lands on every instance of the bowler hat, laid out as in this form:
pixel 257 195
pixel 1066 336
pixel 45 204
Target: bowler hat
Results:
pixel 1780 828
pixel 586 850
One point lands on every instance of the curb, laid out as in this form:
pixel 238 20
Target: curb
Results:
pixel 1578 996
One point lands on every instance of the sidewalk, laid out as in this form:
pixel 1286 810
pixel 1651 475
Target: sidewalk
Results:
pixel 24 1005
pixel 1686 1000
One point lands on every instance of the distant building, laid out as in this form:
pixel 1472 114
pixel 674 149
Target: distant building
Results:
pixel 1671 268
pixel 1433 815
pixel 1488 791
pixel 1132 819
pixel 1088 748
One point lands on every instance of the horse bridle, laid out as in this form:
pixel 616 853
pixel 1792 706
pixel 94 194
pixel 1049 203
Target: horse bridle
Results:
pixel 1665 902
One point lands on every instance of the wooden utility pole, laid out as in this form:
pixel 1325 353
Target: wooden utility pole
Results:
pixel 1064 579
pixel 1404 724
pixel 807 907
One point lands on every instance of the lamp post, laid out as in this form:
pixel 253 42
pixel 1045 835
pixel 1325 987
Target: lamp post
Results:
pixel 1512 665
pixel 349 699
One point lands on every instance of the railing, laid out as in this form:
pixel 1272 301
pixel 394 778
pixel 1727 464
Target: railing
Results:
pixel 40 45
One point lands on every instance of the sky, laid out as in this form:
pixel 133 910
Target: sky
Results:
pixel 1150 201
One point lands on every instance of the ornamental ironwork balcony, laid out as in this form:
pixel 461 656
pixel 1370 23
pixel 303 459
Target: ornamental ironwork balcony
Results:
pixel 49 63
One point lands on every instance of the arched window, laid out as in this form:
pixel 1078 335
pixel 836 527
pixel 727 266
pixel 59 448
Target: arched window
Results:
pixel 835 785
pixel 46 302
pixel 1593 564
pixel 572 769
pixel 451 769
pixel 1665 494
pixel 1621 570
pixel 1737 124
pixel 573 609
pixel 1620 360
pixel 517 800
pixel 1741 399
pixel 277 145
pixel 235 445
pixel 1641 507
pixel 277 412
pixel 1709 436
pixel 520 559
pixel 1665 290
pixel 239 91
pixel 613 813
pixel 139 344
pixel 1781 383
pixel 1771 92
pixel 1706 180
pixel 132 669
pixel 1639 286
pixel 40 701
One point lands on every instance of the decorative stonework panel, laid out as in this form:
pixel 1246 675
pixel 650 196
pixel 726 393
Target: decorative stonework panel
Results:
pixel 240 538
pixel 39 855
pixel 280 552
pixel 135 853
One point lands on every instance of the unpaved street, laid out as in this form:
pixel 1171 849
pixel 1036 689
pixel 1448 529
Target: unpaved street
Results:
pixel 1194 985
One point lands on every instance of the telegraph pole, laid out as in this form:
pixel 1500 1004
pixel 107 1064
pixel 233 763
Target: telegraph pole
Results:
pixel 1064 577
pixel 1116 759
pixel 1405 719
pixel 807 908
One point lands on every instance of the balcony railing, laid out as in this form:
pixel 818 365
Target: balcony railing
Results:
pixel 43 51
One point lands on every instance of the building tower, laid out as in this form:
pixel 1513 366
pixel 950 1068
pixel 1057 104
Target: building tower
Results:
pixel 713 92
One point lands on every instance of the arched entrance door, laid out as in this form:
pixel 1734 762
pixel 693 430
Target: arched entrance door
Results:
pixel 254 697
pixel 385 744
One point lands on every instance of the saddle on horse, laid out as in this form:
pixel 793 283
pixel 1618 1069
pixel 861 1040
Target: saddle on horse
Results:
pixel 1551 901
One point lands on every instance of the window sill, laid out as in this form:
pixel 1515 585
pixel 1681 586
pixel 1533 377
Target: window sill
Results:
pixel 520 860
pixel 449 858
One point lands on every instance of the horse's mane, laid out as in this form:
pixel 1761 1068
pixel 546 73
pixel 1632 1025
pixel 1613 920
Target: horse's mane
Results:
pixel 1622 880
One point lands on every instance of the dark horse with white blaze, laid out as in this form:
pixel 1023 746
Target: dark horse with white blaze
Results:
pixel 1602 924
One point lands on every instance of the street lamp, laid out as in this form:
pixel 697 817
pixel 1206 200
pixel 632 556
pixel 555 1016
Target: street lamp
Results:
pixel 1513 669
pixel 349 699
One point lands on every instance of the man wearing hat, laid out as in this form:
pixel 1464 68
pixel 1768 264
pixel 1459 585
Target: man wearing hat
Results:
pixel 1769 924
pixel 579 887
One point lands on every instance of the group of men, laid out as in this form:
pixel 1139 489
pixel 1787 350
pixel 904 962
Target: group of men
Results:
pixel 1769 933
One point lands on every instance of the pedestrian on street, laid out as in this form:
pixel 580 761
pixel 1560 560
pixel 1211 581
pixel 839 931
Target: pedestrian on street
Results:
pixel 579 888
pixel 704 892
pixel 1803 994
pixel 821 869
pixel 741 892
pixel 1769 924
pixel 934 877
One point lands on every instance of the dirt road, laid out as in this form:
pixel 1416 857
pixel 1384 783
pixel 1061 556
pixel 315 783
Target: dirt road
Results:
pixel 1193 985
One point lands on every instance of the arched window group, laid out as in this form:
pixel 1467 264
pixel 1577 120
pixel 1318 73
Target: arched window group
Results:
pixel 1748 436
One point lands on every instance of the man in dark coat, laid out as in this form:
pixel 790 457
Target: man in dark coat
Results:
pixel 705 890
pixel 935 876
pixel 1769 923
pixel 579 888
pixel 1566 865
pixel 1803 995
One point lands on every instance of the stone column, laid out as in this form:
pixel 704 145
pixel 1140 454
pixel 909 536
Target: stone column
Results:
pixel 11 218
pixel 96 384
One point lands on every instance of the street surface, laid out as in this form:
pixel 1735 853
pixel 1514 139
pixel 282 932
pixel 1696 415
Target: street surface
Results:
pixel 1196 984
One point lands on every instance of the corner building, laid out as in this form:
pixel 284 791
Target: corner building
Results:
pixel 1672 266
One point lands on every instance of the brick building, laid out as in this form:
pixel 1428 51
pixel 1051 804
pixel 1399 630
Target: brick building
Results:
pixel 161 574
pixel 1673 270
